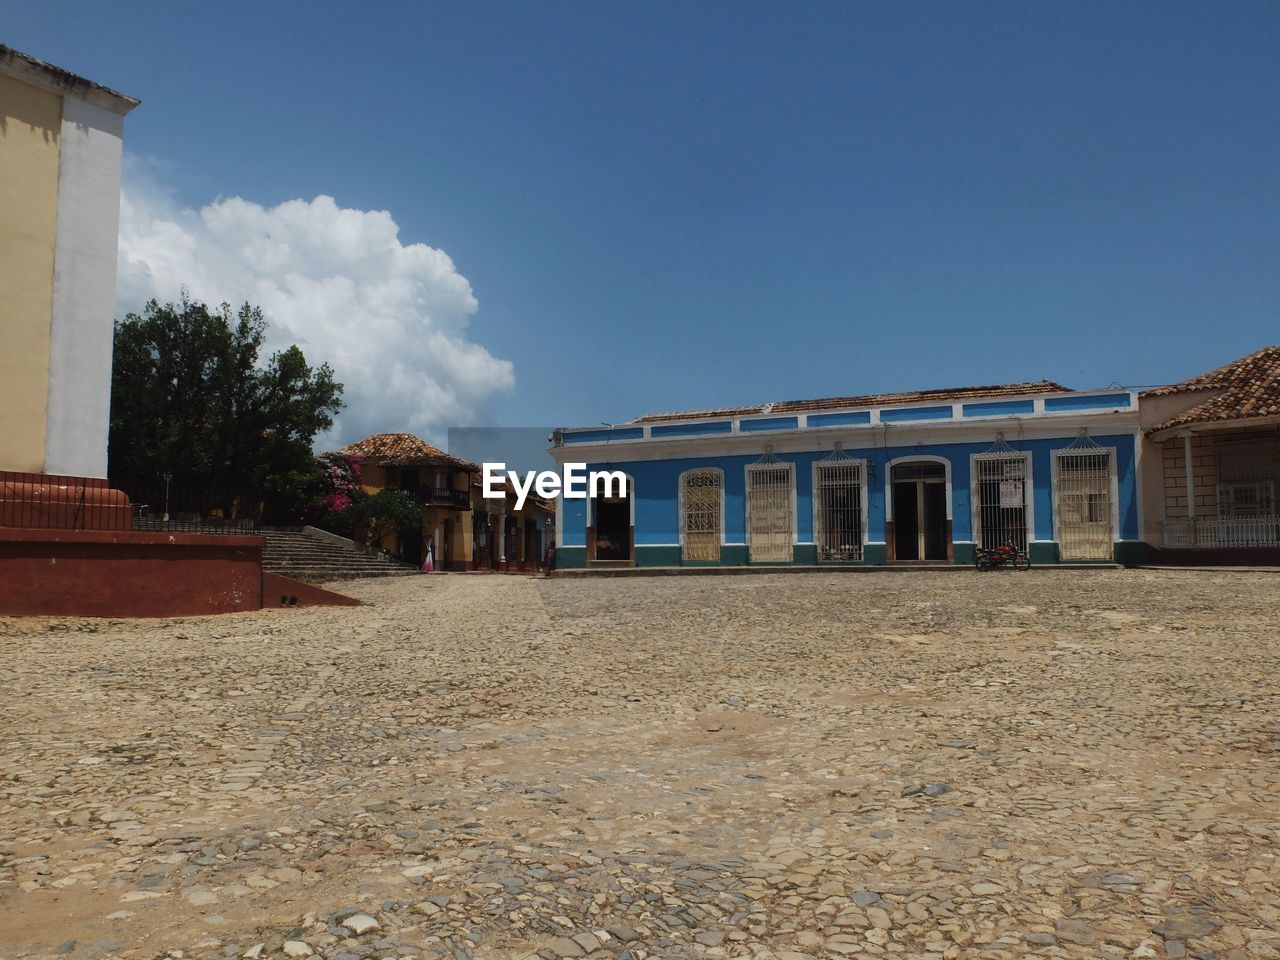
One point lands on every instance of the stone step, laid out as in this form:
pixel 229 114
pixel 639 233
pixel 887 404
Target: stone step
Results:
pixel 316 558
pixel 327 576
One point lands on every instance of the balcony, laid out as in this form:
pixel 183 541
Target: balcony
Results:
pixel 1215 532
pixel 441 497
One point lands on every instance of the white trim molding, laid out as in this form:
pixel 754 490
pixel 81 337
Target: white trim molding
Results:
pixel 913 458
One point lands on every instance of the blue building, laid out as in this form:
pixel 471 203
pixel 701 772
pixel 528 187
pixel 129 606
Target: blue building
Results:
pixel 919 477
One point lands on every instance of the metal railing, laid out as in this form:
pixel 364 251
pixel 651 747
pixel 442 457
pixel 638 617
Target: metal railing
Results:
pixel 49 501
pixel 440 496
pixel 191 523
pixel 1215 532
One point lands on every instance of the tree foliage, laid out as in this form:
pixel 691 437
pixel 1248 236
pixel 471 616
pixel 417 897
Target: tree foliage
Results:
pixel 189 398
pixel 375 518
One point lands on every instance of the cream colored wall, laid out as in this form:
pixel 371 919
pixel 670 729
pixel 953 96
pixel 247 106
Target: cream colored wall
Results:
pixel 1204 477
pixel 30 124
pixel 1152 491
pixel 1204 468
pixel 1163 477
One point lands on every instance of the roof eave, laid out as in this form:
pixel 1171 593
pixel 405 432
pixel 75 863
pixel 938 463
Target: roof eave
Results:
pixel 38 73
pixel 1171 428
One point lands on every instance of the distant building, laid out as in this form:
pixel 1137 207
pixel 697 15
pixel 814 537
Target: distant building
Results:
pixel 507 537
pixel 60 153
pixel 1211 477
pixel 902 478
pixel 466 530
pixel 438 482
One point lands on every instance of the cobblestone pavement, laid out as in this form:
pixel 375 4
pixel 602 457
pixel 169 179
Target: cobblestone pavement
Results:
pixel 1052 764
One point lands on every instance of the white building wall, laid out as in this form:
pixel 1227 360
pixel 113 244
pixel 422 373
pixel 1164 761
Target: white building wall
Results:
pixel 84 290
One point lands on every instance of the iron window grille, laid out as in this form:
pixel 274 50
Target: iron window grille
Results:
pixel 838 496
pixel 770 509
pixel 1084 508
pixel 1001 476
pixel 701 514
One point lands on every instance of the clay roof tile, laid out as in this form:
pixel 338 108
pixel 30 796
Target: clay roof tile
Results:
pixel 1244 389
pixel 401 450
pixel 946 394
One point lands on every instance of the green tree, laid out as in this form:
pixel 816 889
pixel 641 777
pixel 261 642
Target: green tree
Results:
pixel 377 517
pixel 189 398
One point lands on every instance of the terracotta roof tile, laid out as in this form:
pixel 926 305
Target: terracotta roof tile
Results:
pixel 401 450
pixel 946 394
pixel 1250 387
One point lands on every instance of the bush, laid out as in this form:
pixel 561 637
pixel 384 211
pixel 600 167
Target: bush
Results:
pixel 387 513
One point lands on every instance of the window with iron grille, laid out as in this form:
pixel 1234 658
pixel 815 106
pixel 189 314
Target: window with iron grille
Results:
pixel 1001 480
pixel 770 518
pixel 1248 472
pixel 701 514
pixel 1084 501
pixel 838 513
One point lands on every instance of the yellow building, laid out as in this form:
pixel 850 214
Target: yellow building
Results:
pixel 61 141
pixel 508 538
pixel 439 483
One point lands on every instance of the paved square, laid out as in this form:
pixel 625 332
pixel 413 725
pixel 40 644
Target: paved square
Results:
pixel 1060 763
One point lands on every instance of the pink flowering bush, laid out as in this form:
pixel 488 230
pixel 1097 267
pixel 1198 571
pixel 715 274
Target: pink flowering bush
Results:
pixel 337 487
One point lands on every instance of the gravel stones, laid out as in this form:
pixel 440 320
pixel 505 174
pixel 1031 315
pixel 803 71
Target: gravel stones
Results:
pixel 360 923
pixel 1074 931
pixel 941 766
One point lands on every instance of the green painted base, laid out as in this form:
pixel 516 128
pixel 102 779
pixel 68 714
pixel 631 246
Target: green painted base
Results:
pixel 571 558
pixel 1131 553
pixel 657 556
pixel 1045 552
pixel 1128 553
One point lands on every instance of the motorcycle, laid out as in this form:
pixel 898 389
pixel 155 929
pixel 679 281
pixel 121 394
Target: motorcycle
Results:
pixel 1003 556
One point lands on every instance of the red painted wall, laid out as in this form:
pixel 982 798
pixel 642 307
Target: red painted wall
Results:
pixel 104 573
pixel 278 591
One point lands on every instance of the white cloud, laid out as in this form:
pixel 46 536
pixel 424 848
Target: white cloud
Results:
pixel 390 318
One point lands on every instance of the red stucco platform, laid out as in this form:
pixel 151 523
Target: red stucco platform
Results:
pixel 122 573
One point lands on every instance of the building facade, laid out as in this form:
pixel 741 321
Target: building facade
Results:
pixel 439 483
pixel 920 477
pixel 464 529
pixel 507 536
pixel 1212 451
pixel 61 140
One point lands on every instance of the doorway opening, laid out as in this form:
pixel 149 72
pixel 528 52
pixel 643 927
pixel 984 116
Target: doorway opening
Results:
pixel 610 535
pixel 920 525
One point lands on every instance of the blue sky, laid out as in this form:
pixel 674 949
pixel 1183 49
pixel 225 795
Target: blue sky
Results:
pixel 670 205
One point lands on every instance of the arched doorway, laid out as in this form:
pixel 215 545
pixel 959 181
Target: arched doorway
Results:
pixel 920 502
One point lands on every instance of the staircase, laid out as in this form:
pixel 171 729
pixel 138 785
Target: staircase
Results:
pixel 317 556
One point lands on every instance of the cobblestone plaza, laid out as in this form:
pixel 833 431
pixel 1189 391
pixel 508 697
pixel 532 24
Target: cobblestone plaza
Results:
pixel 1067 763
